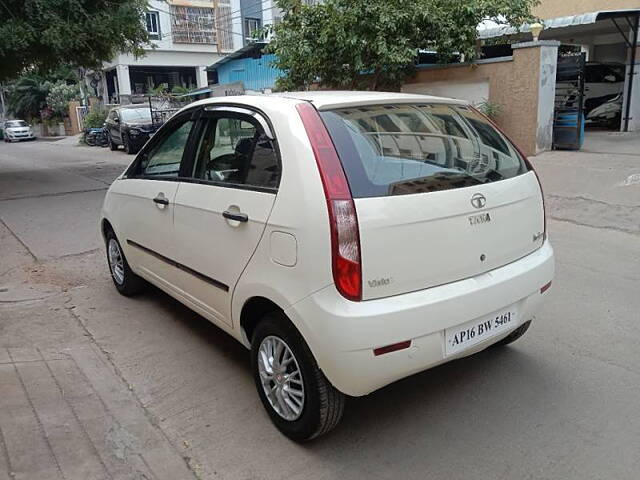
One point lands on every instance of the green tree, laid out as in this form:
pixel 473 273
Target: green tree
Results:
pixel 27 96
pixel 372 44
pixel 44 34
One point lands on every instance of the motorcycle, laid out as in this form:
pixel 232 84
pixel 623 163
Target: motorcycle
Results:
pixel 96 137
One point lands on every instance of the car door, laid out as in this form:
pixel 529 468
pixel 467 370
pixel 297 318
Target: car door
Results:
pixel 112 126
pixel 145 207
pixel 117 126
pixel 222 211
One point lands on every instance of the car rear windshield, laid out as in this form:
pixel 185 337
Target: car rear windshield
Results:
pixel 417 148
pixel 136 115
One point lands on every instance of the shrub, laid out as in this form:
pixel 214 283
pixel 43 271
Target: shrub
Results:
pixel 60 94
pixel 96 117
pixel 490 109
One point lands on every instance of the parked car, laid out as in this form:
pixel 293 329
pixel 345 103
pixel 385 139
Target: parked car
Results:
pixel 348 239
pixel 603 82
pixel 608 114
pixel 129 126
pixel 17 130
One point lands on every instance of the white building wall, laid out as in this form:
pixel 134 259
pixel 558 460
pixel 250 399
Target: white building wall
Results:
pixel 169 54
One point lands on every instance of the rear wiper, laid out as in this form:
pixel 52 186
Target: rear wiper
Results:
pixel 493 176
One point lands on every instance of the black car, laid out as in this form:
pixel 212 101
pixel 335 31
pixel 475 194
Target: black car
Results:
pixel 129 126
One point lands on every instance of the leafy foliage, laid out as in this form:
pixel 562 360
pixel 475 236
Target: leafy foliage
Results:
pixel 60 94
pixel 490 109
pixel 27 96
pixel 159 91
pixel 372 44
pixel 96 117
pixel 43 34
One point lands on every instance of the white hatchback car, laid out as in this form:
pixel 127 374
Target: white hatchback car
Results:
pixel 17 130
pixel 349 239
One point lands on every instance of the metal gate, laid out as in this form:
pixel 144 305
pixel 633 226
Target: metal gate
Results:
pixel 568 124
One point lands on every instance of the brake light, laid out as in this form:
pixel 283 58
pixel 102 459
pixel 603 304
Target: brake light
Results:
pixel 527 163
pixel 345 237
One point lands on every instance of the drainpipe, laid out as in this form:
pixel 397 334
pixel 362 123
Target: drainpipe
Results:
pixel 634 46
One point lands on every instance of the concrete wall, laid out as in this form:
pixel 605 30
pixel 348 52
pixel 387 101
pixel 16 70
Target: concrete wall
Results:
pixel 474 91
pixel 523 85
pixel 546 92
pixel 563 8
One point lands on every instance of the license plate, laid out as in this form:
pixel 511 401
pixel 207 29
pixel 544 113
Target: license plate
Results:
pixel 462 337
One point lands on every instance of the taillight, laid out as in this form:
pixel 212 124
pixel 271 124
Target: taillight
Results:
pixel 527 163
pixel 345 237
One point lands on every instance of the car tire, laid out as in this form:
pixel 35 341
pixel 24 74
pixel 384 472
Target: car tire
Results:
pixel 321 405
pixel 126 142
pixel 112 146
pixel 515 335
pixel 126 282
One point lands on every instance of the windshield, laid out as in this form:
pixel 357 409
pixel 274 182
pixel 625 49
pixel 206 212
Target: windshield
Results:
pixel 405 149
pixel 16 123
pixel 136 115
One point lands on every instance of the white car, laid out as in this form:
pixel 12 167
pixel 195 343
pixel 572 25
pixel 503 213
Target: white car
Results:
pixel 16 130
pixel 348 239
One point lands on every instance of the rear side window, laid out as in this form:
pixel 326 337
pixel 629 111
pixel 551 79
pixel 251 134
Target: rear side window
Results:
pixel 404 149
pixel 234 151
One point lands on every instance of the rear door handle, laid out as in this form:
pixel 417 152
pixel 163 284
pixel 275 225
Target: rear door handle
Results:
pixel 161 199
pixel 238 217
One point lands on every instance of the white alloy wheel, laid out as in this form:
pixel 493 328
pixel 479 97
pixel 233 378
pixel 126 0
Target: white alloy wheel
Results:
pixel 116 261
pixel 281 378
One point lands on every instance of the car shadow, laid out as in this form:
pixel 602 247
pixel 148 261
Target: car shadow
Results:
pixel 485 388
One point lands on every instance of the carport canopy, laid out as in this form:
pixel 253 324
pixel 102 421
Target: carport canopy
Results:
pixel 581 30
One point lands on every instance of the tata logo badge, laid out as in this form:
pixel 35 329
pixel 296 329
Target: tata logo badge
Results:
pixel 478 200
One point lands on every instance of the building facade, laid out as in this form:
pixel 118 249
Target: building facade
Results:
pixel 187 35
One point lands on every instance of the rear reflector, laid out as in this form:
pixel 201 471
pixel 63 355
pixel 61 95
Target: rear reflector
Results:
pixel 345 236
pixel 545 288
pixel 391 348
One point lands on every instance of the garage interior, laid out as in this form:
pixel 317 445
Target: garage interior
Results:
pixel 605 41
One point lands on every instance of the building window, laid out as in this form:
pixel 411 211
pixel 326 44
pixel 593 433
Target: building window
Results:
pixel 152 23
pixel 193 25
pixel 251 25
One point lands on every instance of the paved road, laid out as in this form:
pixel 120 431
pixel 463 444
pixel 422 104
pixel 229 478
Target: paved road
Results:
pixel 94 385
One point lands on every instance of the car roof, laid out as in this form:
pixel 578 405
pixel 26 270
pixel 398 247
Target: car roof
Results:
pixel 326 99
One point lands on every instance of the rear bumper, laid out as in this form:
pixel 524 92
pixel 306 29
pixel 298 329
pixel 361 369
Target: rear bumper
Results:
pixel 343 334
